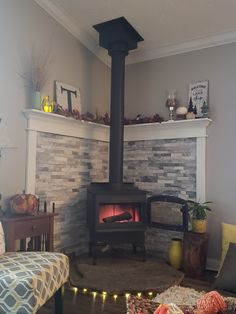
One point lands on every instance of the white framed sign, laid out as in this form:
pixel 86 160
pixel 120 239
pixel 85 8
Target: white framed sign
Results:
pixel 68 96
pixel 198 91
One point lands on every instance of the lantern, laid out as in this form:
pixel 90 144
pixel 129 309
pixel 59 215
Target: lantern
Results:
pixel 47 105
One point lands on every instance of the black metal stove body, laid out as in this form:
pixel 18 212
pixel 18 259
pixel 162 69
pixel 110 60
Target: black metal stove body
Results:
pixel 116 216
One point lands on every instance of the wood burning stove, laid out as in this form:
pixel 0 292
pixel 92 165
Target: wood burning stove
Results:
pixel 116 210
pixel 116 216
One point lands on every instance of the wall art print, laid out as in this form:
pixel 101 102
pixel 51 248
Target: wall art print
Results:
pixel 67 96
pixel 198 91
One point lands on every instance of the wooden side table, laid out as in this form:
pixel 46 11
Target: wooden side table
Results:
pixel 195 246
pixel 38 227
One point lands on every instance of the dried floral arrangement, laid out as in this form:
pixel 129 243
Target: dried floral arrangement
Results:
pixel 37 70
pixel 103 119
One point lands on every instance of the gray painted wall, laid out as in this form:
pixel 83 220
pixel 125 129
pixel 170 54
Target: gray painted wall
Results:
pixel 146 87
pixel 23 24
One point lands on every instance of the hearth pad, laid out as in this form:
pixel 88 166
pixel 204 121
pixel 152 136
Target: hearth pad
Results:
pixel 123 274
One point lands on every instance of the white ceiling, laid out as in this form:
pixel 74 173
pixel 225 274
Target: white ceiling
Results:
pixel 168 26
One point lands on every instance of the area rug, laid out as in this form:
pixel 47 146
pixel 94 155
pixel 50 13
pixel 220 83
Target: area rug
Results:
pixel 123 274
pixel 185 298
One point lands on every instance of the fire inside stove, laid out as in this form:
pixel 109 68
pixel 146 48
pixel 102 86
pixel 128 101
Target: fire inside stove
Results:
pixel 119 213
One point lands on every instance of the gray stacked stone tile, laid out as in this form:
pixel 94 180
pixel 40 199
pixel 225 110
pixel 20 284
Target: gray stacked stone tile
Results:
pixel 64 168
pixel 162 167
pixel 66 165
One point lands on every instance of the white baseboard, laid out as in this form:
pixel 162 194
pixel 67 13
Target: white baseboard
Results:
pixel 212 264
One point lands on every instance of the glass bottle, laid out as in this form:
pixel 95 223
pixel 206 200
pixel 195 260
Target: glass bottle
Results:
pixel 171 103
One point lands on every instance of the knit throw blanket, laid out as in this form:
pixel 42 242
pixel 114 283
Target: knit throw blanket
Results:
pixel 185 298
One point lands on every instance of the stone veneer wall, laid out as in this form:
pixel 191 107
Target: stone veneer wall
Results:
pixel 64 168
pixel 66 165
pixel 162 167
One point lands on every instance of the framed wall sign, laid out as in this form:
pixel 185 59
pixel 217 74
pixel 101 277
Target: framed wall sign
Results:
pixel 198 92
pixel 67 96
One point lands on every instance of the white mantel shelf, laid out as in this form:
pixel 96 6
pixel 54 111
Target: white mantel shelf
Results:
pixel 40 121
pixel 167 130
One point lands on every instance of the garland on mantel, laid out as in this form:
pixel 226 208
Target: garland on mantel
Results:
pixel 104 119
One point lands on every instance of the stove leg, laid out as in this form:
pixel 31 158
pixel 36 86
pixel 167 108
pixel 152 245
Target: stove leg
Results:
pixel 143 249
pixel 134 248
pixel 90 249
pixel 94 253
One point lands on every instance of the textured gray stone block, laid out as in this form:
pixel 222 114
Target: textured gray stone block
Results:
pixel 66 165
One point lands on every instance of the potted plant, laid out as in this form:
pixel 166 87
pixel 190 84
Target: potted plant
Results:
pixel 199 215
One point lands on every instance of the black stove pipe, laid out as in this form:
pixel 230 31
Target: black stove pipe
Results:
pixel 118 37
pixel 117 114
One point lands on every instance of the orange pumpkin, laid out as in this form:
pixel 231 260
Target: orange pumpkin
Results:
pixel 211 303
pixel 24 204
pixel 162 309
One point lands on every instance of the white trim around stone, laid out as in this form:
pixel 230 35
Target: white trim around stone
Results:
pixel 38 121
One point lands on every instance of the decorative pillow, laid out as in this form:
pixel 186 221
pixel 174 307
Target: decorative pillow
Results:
pixel 226 278
pixel 2 240
pixel 228 235
pixel 24 204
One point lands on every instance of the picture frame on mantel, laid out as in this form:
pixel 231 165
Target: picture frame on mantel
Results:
pixel 198 92
pixel 68 97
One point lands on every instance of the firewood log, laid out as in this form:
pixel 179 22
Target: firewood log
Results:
pixel 123 216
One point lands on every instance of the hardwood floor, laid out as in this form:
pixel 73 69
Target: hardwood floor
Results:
pixel 85 303
pixel 77 302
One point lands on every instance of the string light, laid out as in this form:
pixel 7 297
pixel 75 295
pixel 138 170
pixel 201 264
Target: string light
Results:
pixel 127 295
pixel 104 294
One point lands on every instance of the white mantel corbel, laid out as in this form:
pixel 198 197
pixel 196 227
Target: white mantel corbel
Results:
pixel 39 121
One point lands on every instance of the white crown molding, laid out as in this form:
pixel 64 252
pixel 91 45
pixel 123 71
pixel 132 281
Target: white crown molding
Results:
pixel 72 28
pixel 188 46
pixel 138 55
